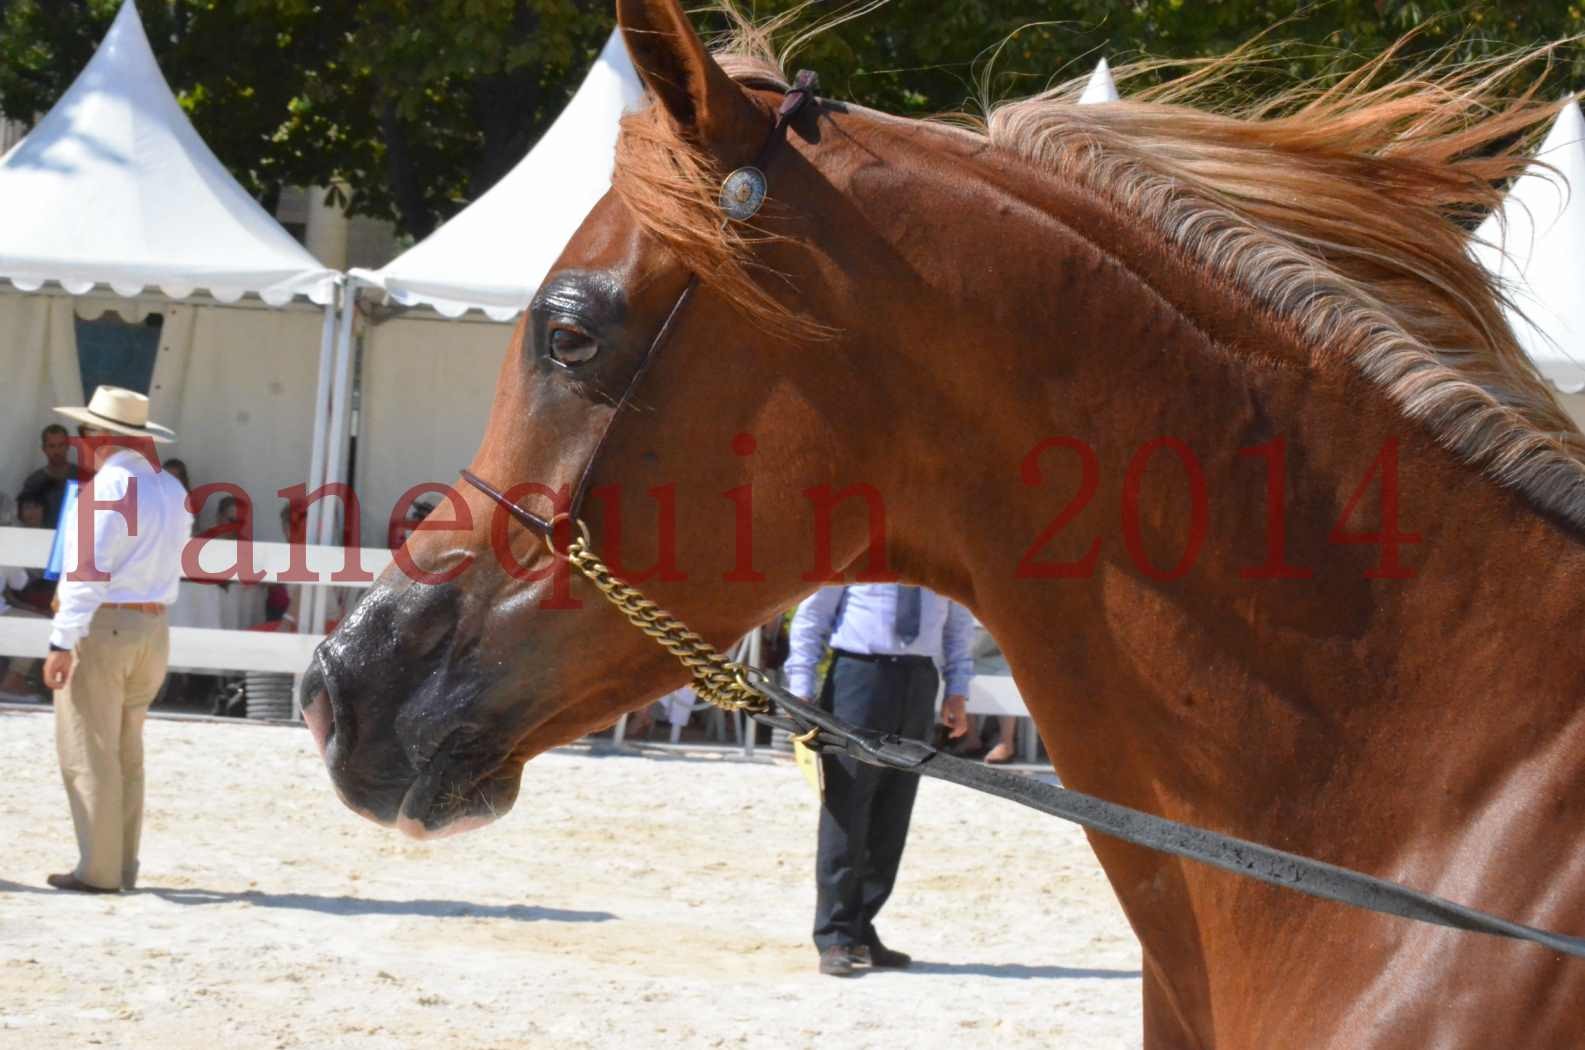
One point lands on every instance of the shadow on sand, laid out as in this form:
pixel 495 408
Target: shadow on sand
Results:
pixel 355 906
pixel 1020 972
pixel 351 906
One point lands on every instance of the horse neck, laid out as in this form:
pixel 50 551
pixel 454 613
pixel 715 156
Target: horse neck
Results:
pixel 1427 728
pixel 1329 693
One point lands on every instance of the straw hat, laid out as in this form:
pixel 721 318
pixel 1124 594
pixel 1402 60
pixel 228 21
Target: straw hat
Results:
pixel 119 411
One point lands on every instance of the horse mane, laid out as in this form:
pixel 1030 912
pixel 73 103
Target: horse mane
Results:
pixel 1343 210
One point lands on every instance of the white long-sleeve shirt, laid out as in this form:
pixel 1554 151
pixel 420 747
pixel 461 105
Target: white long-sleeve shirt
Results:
pixel 862 618
pixel 144 564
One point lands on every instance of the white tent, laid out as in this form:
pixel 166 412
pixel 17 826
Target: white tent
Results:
pixel 115 187
pixel 1101 87
pixel 490 257
pixel 493 254
pixel 1536 243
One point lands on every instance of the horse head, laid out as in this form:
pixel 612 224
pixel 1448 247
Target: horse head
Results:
pixel 477 651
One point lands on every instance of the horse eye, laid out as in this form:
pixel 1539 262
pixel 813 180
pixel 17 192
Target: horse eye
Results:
pixel 571 346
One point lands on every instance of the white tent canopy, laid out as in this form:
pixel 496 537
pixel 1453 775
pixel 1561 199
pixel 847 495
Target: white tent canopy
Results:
pixel 115 187
pixel 1536 243
pixel 493 254
pixel 1101 87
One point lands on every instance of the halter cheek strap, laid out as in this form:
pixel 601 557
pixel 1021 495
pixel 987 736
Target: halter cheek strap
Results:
pixel 742 193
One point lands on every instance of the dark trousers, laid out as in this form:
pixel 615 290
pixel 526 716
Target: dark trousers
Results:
pixel 864 816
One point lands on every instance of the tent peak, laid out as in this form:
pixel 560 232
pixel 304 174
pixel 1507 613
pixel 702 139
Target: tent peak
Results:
pixel 115 186
pixel 467 263
pixel 1101 86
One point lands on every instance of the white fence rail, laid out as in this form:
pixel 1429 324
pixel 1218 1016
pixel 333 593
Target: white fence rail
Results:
pixel 204 648
pixel 196 648
pixel 30 549
pixel 995 694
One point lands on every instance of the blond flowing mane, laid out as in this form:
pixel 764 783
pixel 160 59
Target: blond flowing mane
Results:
pixel 1342 211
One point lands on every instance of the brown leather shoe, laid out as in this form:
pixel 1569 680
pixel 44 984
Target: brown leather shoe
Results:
pixel 839 960
pixel 882 957
pixel 69 881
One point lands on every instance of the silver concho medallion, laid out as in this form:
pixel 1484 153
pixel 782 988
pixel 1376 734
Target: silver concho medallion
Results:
pixel 742 193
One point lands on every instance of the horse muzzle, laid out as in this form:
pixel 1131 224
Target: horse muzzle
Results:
pixel 425 788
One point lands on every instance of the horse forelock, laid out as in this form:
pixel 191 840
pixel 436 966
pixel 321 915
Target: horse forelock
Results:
pixel 1341 212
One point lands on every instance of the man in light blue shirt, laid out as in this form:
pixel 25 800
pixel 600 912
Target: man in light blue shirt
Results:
pixel 886 640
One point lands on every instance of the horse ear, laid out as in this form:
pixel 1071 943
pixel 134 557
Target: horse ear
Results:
pixel 707 104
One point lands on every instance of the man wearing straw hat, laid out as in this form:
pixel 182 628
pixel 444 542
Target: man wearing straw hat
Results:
pixel 110 640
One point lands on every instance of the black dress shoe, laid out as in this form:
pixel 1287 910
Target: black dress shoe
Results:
pixel 70 881
pixel 881 957
pixel 839 960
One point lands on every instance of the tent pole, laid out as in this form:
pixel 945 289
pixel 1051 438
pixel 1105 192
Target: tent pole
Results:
pixel 316 463
pixel 336 463
pixel 316 471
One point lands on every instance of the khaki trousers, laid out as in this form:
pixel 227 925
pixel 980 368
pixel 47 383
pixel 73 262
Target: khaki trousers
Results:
pixel 99 716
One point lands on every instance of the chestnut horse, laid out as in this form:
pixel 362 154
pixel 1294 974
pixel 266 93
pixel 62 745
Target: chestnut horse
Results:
pixel 1209 416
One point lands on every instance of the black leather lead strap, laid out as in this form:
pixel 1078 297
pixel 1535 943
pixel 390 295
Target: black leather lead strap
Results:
pixel 1239 856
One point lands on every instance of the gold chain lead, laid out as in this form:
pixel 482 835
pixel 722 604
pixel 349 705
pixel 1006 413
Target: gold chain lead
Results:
pixel 716 679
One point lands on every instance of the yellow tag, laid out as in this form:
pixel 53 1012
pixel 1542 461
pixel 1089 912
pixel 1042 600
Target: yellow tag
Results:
pixel 809 765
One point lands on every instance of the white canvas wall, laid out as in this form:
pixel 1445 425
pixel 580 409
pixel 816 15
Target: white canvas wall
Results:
pixel 236 383
pixel 237 386
pixel 427 387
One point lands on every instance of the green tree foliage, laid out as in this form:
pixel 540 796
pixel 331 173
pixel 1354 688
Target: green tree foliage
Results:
pixel 933 56
pixel 418 106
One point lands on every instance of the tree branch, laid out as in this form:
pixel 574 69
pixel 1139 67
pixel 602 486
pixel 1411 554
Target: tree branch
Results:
pixel 415 216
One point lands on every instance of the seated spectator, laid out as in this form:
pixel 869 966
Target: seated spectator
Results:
pixel 294 523
pixel 233 520
pixel 279 597
pixel 675 709
pixel 988 659
pixel 177 469
pixel 398 532
pixel 37 595
pixel 1006 740
pixel 85 474
pixel 640 722
pixel 18 680
pixel 285 606
pixel 231 511
pixel 48 483
pixel 32 513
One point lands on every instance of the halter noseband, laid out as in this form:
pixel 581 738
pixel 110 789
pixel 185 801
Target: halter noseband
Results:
pixel 742 193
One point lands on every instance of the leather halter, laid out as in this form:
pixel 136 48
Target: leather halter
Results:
pixel 801 92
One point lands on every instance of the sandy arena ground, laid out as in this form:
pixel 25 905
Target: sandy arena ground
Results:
pixel 630 900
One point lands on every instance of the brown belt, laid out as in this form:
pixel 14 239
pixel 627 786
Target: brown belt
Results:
pixel 152 608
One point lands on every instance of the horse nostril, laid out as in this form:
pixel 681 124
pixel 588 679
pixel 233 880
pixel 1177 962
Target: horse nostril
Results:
pixel 321 724
pixel 317 706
